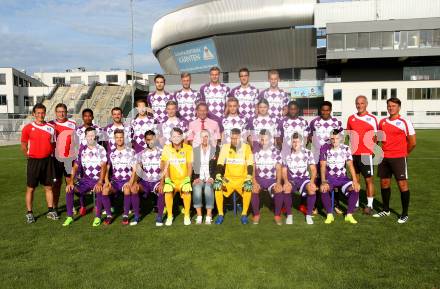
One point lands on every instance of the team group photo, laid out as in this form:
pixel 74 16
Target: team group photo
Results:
pixel 223 144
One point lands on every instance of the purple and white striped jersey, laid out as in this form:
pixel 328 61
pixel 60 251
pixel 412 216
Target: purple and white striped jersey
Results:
pixel 122 162
pixel 215 97
pixel 158 103
pixel 138 128
pixel 320 130
pixel 231 122
pixel 149 160
pixel 81 133
pixel 336 159
pixel 247 99
pixel 109 136
pixel 255 125
pixel 166 127
pixel 89 161
pixel 266 161
pixel 187 102
pixel 297 164
pixel 277 101
pixel 288 126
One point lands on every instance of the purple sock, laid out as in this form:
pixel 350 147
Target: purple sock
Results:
pixel 135 205
pixel 127 204
pixel 278 199
pixel 256 204
pixel 352 199
pixel 311 199
pixel 160 205
pixel 69 204
pixel 98 205
pixel 288 203
pixel 107 205
pixel 327 202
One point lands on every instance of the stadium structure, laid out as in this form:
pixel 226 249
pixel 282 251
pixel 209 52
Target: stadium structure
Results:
pixel 333 51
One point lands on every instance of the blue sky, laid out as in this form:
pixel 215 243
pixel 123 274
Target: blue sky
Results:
pixel 54 35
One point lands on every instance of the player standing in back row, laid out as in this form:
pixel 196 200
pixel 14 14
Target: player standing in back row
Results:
pixel 400 141
pixel 246 94
pixel 157 100
pixel 187 98
pixel 276 97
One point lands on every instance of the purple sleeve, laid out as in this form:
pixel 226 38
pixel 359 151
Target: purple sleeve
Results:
pixel 149 100
pixel 323 153
pixel 286 98
pixel 280 128
pixel 232 92
pixel 306 124
pixel 198 97
pixel 349 155
pixel 250 124
pixel 202 93
pixel 260 95
pixel 312 126
pixel 185 125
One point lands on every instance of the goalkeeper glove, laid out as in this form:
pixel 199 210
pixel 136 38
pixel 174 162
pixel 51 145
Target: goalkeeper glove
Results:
pixel 247 185
pixel 168 186
pixel 218 182
pixel 186 185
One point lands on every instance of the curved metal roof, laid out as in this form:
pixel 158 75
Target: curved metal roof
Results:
pixel 202 18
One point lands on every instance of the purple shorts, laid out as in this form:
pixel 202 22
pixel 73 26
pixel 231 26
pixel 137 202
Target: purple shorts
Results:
pixel 343 181
pixel 299 185
pixel 148 187
pixel 85 185
pixel 118 184
pixel 266 184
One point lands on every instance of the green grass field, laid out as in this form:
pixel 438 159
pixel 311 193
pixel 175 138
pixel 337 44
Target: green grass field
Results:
pixel 376 253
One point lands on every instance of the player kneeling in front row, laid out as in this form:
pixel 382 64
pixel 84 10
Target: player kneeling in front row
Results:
pixel 333 159
pixel 176 162
pixel 91 164
pixel 236 161
pixel 296 174
pixel 267 177
pixel 122 165
pixel 149 172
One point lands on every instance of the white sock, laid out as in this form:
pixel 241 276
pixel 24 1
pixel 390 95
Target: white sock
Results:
pixel 357 204
pixel 370 202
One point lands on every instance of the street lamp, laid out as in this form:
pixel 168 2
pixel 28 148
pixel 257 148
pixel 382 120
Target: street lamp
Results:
pixel 132 55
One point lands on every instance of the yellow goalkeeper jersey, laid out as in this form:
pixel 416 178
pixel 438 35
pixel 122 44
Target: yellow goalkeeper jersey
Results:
pixel 177 160
pixel 235 162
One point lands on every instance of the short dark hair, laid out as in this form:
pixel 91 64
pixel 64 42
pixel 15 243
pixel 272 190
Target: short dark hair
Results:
pixel 87 110
pixel 394 100
pixel 118 130
pixel 141 100
pixel 337 131
pixel 38 106
pixel 171 102
pixel 214 68
pixel 296 135
pixel 201 104
pixel 90 128
pixel 263 101
pixel 185 74
pixel 244 69
pixel 265 132
pixel 273 71
pixel 235 131
pixel 326 103
pixel 149 132
pixel 116 109
pixel 178 130
pixel 159 76
pixel 291 103
pixel 61 105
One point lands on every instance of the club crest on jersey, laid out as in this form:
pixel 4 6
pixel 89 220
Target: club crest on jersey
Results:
pixel 398 123
pixel 368 118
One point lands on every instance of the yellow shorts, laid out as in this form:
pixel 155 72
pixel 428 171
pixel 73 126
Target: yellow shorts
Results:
pixel 177 185
pixel 233 185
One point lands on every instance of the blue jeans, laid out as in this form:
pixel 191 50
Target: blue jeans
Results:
pixel 197 195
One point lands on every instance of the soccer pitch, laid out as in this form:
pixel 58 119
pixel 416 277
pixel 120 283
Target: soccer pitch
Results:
pixel 376 253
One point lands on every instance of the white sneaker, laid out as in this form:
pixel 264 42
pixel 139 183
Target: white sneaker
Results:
pixel 309 220
pixel 382 214
pixel 289 220
pixel 199 220
pixel 187 220
pixel 169 221
pixel 402 219
pixel 208 220
pixel 159 224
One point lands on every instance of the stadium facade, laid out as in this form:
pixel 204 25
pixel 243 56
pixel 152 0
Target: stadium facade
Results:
pixel 333 51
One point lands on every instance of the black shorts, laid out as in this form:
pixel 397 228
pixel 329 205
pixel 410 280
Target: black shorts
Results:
pixel 60 170
pixel 363 165
pixel 40 171
pixel 393 166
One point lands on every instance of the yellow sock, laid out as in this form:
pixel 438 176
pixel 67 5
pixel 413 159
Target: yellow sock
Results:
pixel 169 204
pixel 246 202
pixel 219 201
pixel 186 203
